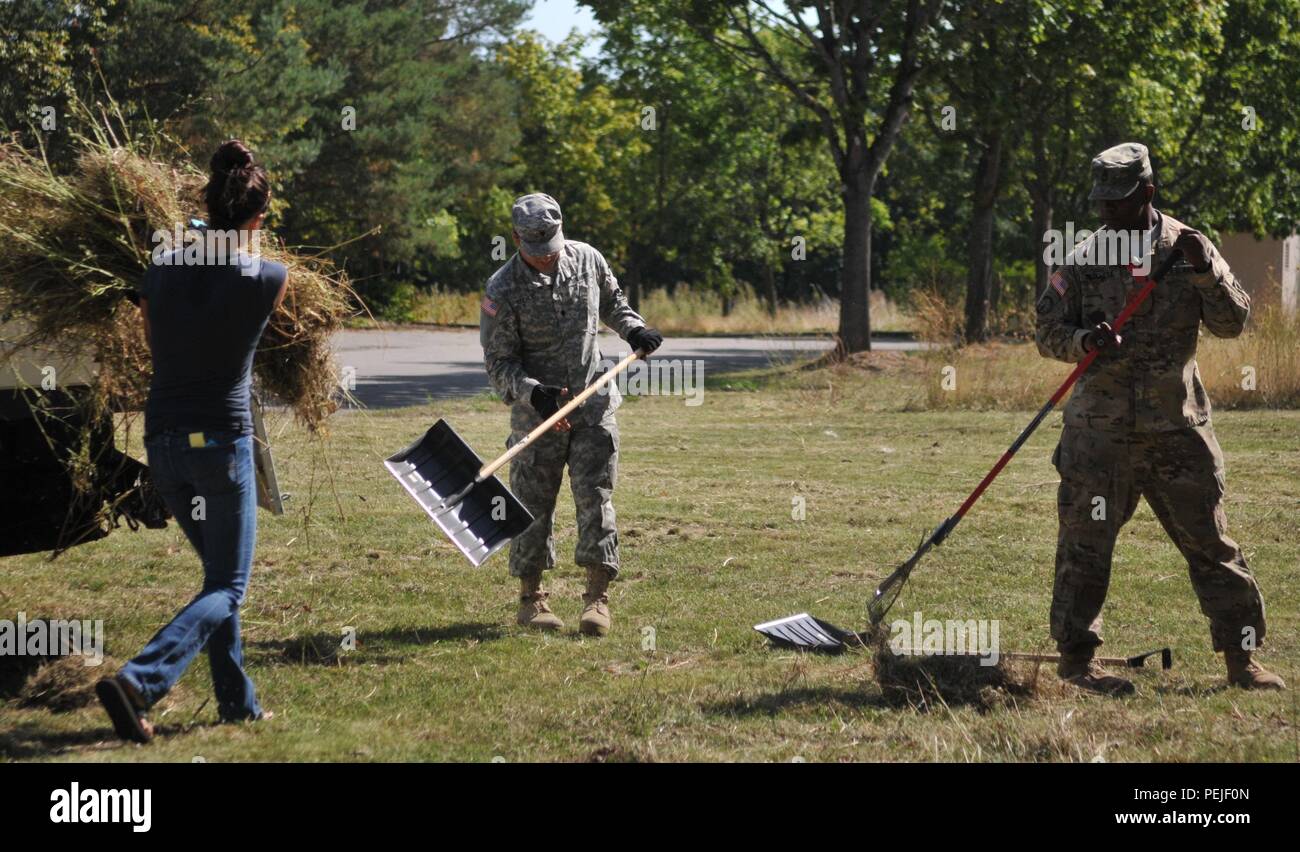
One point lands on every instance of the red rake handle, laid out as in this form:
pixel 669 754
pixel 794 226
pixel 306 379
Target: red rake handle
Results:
pixel 1133 304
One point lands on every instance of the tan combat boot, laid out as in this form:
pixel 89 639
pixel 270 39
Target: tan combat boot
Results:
pixel 1083 671
pixel 595 613
pixel 533 609
pixel 1248 674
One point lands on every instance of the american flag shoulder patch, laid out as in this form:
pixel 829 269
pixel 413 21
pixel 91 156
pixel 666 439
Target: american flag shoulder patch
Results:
pixel 1058 282
pixel 489 307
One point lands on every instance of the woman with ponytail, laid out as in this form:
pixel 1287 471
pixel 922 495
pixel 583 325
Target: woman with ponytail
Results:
pixel 203 323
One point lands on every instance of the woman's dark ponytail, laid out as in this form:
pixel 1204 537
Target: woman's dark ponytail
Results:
pixel 238 188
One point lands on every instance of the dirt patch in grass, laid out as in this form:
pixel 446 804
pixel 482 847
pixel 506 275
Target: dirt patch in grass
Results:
pixel 877 362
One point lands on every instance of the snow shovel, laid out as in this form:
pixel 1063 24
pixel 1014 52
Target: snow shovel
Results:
pixel 806 632
pixel 461 494
pixel 889 590
pixel 269 496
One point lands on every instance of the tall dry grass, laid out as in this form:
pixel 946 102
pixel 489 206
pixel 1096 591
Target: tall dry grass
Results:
pixel 687 311
pixel 442 307
pixel 1266 355
pixel 1013 376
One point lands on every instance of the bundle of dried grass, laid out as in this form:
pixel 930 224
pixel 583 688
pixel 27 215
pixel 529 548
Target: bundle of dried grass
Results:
pixel 64 683
pixel 73 246
pixel 931 681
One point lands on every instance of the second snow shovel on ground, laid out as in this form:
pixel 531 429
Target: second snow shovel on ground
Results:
pixel 804 631
pixel 462 496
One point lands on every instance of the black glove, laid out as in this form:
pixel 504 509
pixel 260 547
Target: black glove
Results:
pixel 545 399
pixel 646 339
pixel 1101 336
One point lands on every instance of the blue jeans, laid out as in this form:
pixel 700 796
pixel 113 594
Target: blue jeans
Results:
pixel 212 492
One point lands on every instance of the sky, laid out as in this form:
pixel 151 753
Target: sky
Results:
pixel 555 18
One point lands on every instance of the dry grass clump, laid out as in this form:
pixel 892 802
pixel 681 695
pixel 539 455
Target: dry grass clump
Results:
pixel 59 680
pixel 931 681
pixel 64 683
pixel 73 246
pixel 937 319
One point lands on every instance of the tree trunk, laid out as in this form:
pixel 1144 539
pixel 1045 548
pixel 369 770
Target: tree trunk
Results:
pixel 980 246
pixel 769 286
pixel 633 279
pixel 1041 216
pixel 855 308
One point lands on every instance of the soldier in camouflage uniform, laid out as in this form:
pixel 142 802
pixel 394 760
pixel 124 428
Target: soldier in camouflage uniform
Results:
pixel 1138 424
pixel 538 328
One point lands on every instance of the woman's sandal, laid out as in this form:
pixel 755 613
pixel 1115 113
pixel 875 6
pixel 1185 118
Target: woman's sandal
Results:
pixel 125 708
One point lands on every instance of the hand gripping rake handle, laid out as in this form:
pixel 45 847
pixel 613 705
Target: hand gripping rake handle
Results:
pixel 492 467
pixel 883 598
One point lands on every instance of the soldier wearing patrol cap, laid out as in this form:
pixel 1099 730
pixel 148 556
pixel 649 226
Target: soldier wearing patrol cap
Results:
pixel 538 328
pixel 1138 423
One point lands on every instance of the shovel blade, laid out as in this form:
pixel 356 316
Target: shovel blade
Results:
pixel 268 485
pixel 805 632
pixel 439 465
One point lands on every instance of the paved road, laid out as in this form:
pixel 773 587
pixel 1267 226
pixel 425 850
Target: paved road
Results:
pixel 408 366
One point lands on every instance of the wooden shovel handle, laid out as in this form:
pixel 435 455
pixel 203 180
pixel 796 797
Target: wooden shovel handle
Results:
pixel 493 467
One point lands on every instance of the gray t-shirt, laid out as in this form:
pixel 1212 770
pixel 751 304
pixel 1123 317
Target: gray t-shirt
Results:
pixel 205 322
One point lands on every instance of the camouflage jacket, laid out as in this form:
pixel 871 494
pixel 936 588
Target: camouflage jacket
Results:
pixel 1151 382
pixel 539 329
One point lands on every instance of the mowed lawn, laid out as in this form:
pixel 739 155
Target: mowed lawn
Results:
pixel 710 547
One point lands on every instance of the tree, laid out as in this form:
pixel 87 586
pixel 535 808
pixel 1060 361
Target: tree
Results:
pixel 1233 157
pixel 851 66
pixel 983 115
pixel 420 120
pixel 859 66
pixel 725 171
pixel 44 48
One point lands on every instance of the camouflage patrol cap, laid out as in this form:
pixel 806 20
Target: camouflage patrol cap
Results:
pixel 1117 171
pixel 537 221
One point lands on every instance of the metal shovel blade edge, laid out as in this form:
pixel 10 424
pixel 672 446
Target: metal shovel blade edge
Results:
pixel 440 464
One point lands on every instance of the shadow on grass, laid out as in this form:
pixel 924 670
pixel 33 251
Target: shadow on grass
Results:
pixel 30 741
pixel 326 649
pixel 1191 690
pixel 776 702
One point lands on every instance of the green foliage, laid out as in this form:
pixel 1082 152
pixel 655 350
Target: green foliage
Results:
pixel 397 133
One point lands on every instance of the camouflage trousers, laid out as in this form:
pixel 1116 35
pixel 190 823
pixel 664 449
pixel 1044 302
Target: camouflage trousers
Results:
pixel 591 454
pixel 1181 475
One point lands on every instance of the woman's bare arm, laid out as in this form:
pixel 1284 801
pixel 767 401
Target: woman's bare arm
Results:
pixel 279 297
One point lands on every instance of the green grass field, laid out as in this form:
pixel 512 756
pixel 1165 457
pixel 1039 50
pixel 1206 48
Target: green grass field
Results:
pixel 710 548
